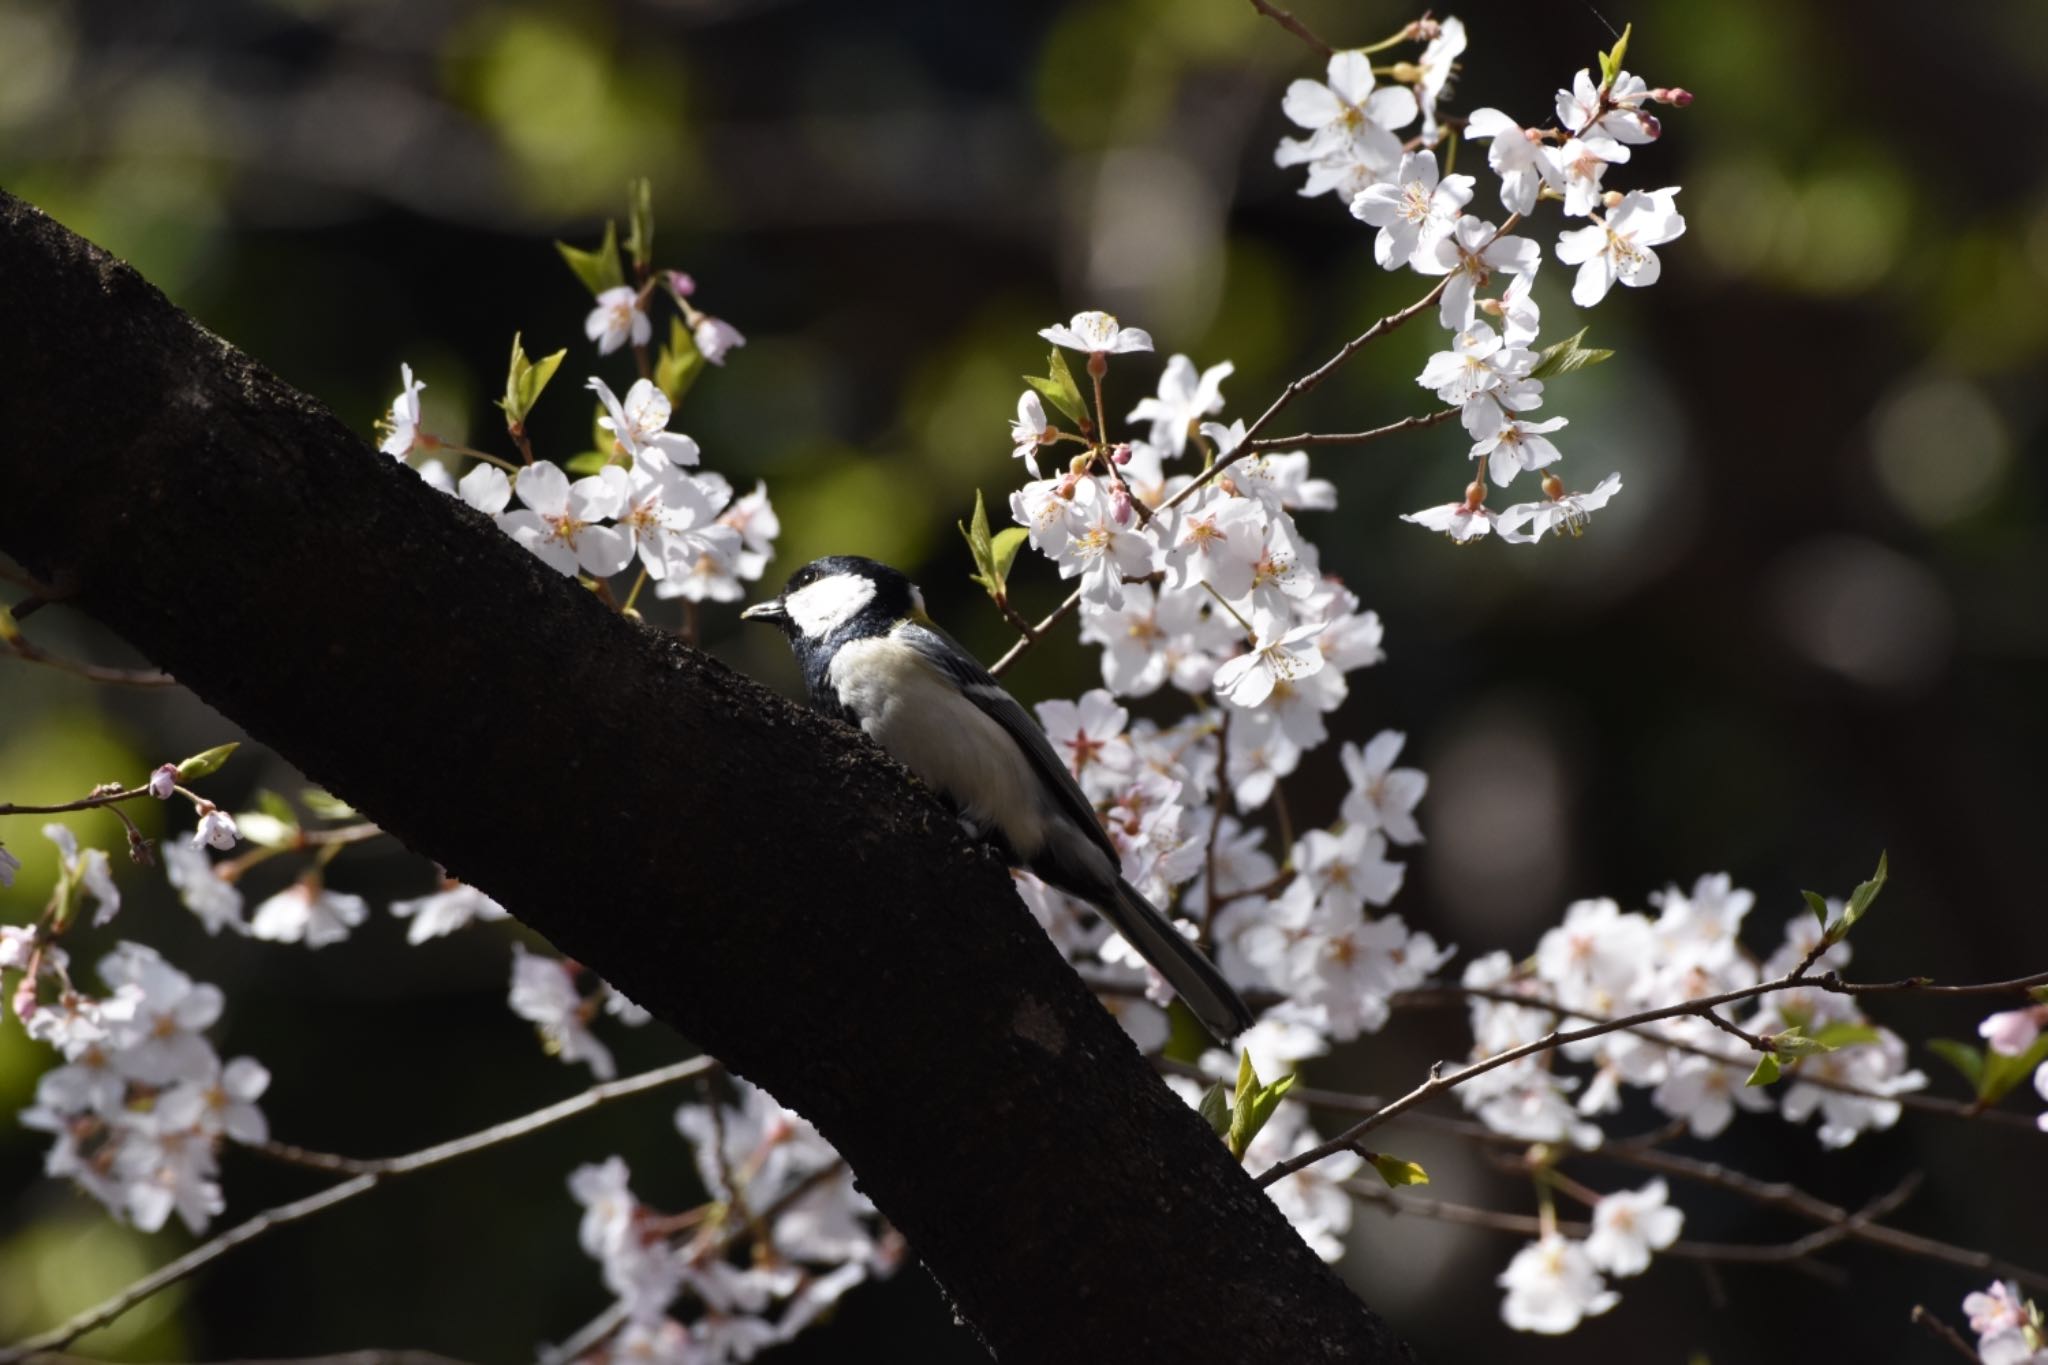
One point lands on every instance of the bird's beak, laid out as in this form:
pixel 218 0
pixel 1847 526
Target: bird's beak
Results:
pixel 770 611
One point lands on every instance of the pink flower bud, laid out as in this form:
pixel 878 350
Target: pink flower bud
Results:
pixel 1121 455
pixel 1120 506
pixel 680 284
pixel 24 1003
pixel 2013 1031
pixel 1672 94
pixel 1651 127
pixel 163 783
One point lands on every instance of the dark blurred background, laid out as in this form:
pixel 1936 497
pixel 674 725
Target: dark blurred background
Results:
pixel 1810 628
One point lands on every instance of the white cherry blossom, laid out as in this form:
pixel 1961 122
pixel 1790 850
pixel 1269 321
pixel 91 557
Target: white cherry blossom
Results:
pixel 1524 163
pixel 1183 400
pixel 1553 1286
pixel 617 319
pixel 1098 334
pixel 1628 1225
pixel 560 523
pixel 1619 247
pixel 1413 211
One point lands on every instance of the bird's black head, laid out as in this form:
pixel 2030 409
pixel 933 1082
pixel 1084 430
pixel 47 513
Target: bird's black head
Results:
pixel 839 595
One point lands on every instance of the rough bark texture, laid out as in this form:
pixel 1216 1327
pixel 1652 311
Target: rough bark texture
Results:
pixel 763 880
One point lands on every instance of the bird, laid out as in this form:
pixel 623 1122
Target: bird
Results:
pixel 871 657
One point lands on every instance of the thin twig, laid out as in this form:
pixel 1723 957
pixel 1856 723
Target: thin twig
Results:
pixel 100 673
pixel 1927 1104
pixel 1438 1083
pixel 1354 438
pixel 97 799
pixel 1955 1339
pixel 1770 1194
pixel 1292 25
pixel 363 1177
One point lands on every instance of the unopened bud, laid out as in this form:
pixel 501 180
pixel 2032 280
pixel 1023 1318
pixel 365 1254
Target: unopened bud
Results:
pixel 1475 494
pixel 1120 506
pixel 1408 73
pixel 680 284
pixel 1672 94
pixel 163 783
pixel 1553 487
pixel 1122 454
pixel 1650 125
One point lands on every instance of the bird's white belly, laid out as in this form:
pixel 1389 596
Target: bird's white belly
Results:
pixel 922 719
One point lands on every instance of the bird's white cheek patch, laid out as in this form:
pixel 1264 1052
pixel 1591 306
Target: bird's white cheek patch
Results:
pixel 822 607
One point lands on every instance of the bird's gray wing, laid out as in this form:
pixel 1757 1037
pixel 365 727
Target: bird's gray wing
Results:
pixel 987 694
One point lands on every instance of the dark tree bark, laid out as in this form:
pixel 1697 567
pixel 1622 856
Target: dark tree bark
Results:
pixel 762 879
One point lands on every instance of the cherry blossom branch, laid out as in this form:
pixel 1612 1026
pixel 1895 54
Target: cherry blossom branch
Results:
pixel 1926 1104
pixel 1293 25
pixel 1648 1157
pixel 100 673
pixel 364 1176
pixel 1438 1083
pixel 1306 384
pixel 1350 438
pixel 1528 1225
pixel 96 800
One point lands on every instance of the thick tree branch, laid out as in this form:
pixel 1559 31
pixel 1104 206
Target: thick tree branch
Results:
pixel 760 878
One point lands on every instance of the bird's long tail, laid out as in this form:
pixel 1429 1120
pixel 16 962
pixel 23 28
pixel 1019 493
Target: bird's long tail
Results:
pixel 1193 977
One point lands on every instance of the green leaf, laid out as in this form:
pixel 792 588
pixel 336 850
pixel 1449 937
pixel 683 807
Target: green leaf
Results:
pixel 1255 1104
pixel 276 807
pixel 640 222
pixel 1863 895
pixel 1791 1044
pixel 1397 1172
pixel 1819 905
pixel 524 380
pixel 1766 1070
pixel 1846 1035
pixel 976 535
pixel 2003 1073
pixel 207 762
pixel 1059 388
pixel 1610 62
pixel 1563 357
pixel 1964 1057
pixel 1003 551
pixel 326 804
pixel 589 462
pixel 599 270
pixel 679 363
pixel 1215 1109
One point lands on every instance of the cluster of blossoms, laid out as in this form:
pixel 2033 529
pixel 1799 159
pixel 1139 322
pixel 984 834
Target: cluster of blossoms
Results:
pixel 141 1104
pixel 1202 582
pixel 1556 1282
pixel 1492 370
pixel 2009 1326
pixel 779 1194
pixel 691 536
pixel 1603 962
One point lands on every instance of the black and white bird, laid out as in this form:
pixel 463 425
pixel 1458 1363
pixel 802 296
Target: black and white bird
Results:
pixel 872 657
